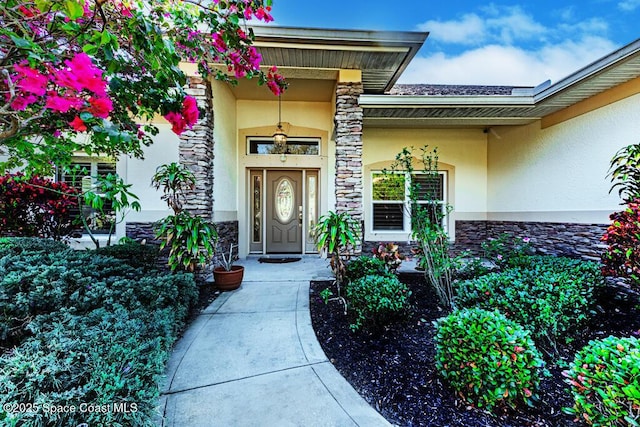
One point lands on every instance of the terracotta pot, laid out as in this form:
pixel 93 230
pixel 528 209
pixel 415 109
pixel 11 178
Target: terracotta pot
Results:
pixel 228 280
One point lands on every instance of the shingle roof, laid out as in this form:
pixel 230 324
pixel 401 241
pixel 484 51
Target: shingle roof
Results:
pixel 450 90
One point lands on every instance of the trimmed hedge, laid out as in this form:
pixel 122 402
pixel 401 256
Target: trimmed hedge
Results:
pixel 487 358
pixel 375 301
pixel 365 266
pixel 16 245
pixel 88 330
pixel 551 296
pixel 134 254
pixel 605 382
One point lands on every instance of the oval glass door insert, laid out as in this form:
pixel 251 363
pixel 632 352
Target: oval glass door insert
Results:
pixel 284 200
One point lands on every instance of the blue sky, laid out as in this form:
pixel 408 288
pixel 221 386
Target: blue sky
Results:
pixel 501 42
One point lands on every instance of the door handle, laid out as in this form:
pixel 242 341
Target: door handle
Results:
pixel 300 216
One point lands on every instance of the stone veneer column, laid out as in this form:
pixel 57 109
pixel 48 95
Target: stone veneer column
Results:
pixel 196 150
pixel 348 124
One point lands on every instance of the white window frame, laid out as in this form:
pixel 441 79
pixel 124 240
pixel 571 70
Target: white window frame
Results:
pixel 292 139
pixel 406 208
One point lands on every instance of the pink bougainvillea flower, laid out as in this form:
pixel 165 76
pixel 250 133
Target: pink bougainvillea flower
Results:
pixel 178 123
pixel 124 10
pixel 190 110
pixel 100 107
pixel 218 42
pixel 254 57
pixel 82 74
pixel 30 80
pixel 22 102
pixel 78 125
pixel 63 104
pixel 263 14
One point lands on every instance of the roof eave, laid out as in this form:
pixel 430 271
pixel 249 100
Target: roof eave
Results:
pixel 589 71
pixel 427 101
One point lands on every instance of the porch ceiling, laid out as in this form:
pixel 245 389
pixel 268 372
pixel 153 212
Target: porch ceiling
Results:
pixel 381 55
pixel 521 107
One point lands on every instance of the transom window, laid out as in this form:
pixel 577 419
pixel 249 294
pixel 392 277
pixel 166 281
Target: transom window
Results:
pixel 391 202
pixel 295 146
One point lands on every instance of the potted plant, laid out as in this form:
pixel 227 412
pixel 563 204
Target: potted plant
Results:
pixel 227 276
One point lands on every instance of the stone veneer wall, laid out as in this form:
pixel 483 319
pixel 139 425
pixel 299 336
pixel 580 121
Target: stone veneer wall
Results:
pixel 196 150
pixel 349 176
pixel 227 234
pixel 140 231
pixel 561 239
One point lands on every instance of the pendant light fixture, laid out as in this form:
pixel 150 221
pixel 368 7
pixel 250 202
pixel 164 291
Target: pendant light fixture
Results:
pixel 280 137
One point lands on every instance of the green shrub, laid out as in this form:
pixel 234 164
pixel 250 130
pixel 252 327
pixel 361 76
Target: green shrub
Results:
pixel 89 329
pixel 605 382
pixel 506 249
pixel 487 358
pixel 551 296
pixel 133 253
pixel 32 284
pixel 472 267
pixel 365 266
pixel 15 245
pixel 585 270
pixel 376 300
pixel 622 257
pixel 100 358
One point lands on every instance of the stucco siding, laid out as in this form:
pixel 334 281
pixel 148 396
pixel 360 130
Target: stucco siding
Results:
pixel 139 172
pixel 558 174
pixel 225 161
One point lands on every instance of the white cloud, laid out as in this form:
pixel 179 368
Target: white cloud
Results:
pixel 507 65
pixel 516 25
pixel 629 5
pixel 470 29
pixel 506 46
pixel 502 26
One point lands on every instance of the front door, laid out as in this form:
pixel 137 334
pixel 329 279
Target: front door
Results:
pixel 284 211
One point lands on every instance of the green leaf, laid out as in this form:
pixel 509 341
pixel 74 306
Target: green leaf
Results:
pixel 21 42
pixel 90 49
pixel 74 9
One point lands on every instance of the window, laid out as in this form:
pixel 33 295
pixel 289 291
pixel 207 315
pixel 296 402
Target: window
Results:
pixel 295 146
pixel 390 198
pixel 84 179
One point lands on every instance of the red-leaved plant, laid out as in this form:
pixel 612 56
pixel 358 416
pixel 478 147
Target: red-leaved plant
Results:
pixel 37 207
pixel 622 257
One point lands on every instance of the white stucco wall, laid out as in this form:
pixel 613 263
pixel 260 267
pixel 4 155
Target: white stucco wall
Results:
pixel 140 171
pixel 558 174
pixel 225 162
pixel 462 151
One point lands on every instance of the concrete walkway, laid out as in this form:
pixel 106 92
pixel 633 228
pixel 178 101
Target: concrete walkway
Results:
pixel 252 359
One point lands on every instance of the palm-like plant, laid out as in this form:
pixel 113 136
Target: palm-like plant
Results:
pixel 624 171
pixel 338 234
pixel 191 239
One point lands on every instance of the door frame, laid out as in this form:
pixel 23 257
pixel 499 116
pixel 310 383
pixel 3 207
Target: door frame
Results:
pixel 261 248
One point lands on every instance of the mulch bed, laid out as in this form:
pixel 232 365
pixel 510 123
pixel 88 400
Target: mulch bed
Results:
pixel 393 369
